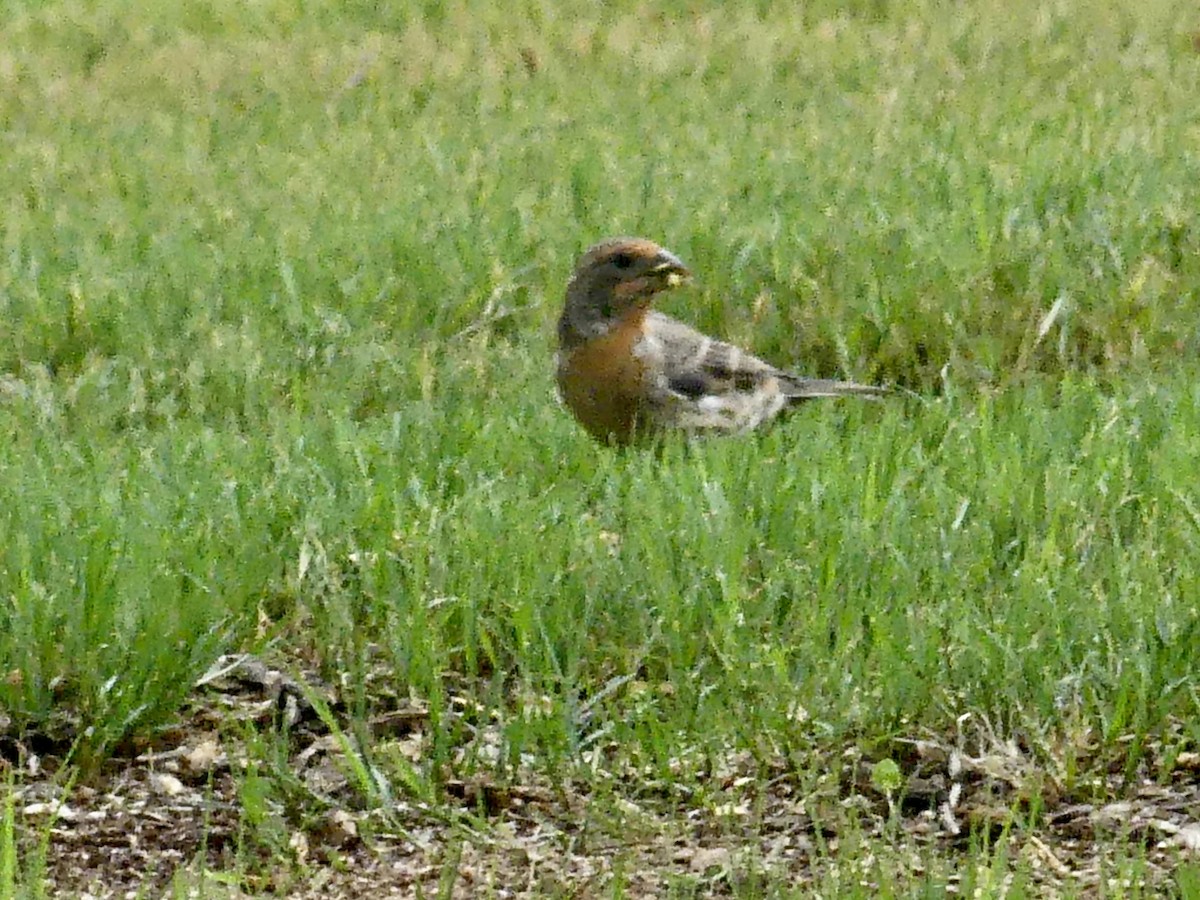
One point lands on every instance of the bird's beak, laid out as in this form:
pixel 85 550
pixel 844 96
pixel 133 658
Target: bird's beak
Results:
pixel 669 267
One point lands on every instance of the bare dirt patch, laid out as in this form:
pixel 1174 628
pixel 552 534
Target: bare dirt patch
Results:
pixel 206 808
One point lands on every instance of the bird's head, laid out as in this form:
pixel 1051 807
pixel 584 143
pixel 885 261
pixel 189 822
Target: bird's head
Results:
pixel 615 278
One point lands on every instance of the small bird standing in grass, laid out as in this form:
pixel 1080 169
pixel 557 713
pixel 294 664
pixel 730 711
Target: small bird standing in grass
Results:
pixel 628 372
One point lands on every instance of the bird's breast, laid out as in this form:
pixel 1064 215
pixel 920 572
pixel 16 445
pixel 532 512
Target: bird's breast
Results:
pixel 604 380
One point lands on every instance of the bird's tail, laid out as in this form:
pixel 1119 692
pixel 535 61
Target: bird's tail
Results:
pixel 809 388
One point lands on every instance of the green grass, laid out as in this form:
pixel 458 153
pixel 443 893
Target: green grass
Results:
pixel 277 286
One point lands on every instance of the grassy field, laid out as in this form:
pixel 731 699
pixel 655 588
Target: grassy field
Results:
pixel 277 291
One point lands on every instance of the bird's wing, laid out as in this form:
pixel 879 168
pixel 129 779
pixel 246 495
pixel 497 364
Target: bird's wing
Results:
pixel 712 384
pixel 709 385
pixel 696 365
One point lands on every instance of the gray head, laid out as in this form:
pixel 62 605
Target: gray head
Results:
pixel 614 279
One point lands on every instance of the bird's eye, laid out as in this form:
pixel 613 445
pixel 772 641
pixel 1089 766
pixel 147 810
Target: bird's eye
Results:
pixel 622 260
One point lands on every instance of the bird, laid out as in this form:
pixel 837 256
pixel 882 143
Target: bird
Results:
pixel 630 373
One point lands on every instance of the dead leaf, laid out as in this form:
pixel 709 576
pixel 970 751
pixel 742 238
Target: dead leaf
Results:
pixel 57 810
pixel 1188 837
pixel 706 858
pixel 299 845
pixel 167 785
pixel 203 757
pixel 1188 760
